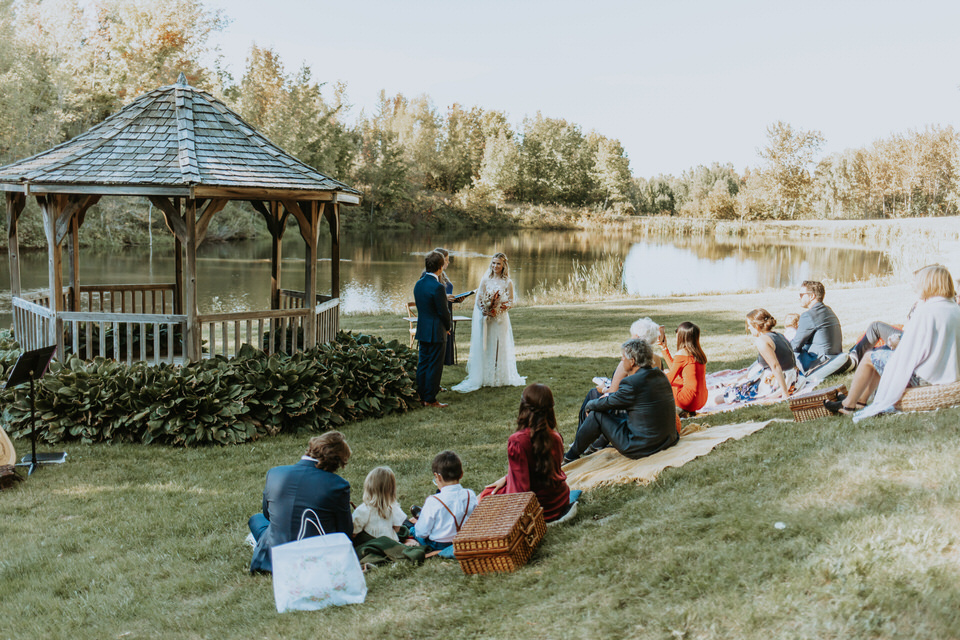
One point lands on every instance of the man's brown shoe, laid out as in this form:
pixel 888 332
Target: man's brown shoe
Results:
pixel 439 405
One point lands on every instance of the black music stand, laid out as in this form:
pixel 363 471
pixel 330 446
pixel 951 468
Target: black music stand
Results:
pixel 31 366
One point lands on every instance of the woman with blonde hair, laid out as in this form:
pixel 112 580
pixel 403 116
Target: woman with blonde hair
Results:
pixel 492 361
pixel 928 353
pixel 774 373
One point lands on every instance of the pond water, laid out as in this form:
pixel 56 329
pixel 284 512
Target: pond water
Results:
pixel 378 270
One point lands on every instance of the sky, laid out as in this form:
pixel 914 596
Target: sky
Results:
pixel 679 82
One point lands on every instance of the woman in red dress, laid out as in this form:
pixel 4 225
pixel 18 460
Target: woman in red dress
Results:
pixel 688 371
pixel 535 453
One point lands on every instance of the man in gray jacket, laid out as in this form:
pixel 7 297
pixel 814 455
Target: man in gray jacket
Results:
pixel 818 336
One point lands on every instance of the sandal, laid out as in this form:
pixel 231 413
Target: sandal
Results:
pixel 837 407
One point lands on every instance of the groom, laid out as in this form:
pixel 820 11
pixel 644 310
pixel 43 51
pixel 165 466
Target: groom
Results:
pixel 433 325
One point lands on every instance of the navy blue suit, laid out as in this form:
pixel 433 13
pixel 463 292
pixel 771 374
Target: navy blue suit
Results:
pixel 288 491
pixel 433 323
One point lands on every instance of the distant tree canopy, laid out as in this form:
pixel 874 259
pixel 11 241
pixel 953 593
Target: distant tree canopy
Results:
pixel 909 174
pixel 65 65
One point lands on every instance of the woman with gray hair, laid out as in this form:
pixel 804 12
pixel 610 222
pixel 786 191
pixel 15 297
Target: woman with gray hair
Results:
pixel 639 418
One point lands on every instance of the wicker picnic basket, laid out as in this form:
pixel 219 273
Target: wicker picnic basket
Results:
pixel 501 534
pixel 931 397
pixel 809 406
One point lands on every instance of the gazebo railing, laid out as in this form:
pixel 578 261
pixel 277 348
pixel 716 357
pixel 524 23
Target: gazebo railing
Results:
pixel 114 298
pixel 290 299
pixel 131 323
pixel 31 323
pixel 125 337
pixel 328 319
pixel 278 330
pixel 126 298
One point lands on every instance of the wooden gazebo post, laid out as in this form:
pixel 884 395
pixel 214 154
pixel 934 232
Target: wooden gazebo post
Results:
pixel 15 204
pixel 333 218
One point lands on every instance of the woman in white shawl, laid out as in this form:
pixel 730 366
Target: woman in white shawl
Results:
pixel 492 362
pixel 928 353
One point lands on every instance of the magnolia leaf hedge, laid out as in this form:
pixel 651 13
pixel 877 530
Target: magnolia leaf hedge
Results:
pixel 217 400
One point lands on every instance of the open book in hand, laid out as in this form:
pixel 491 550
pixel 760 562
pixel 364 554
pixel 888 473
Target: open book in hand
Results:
pixel 460 296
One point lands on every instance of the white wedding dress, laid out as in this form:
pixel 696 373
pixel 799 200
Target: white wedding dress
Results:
pixel 492 361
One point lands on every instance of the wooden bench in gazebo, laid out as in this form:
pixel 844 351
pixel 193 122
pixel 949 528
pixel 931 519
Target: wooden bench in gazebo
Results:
pixel 189 155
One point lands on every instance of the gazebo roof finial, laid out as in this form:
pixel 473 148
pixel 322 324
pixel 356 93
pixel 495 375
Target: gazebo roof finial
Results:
pixel 182 79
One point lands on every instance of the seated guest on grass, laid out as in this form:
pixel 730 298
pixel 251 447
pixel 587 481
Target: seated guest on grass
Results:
pixel 643 328
pixel 444 513
pixel 380 514
pixel 928 352
pixel 877 334
pixel 688 370
pixel 790 323
pixel 534 455
pixel 818 336
pixel 775 371
pixel 648 420
pixel 309 484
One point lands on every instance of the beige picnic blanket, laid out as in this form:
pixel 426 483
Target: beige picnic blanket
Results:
pixel 608 467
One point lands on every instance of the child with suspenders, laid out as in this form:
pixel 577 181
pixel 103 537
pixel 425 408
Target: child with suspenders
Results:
pixel 444 513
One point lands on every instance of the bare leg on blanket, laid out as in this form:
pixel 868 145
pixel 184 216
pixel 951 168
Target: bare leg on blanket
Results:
pixel 865 382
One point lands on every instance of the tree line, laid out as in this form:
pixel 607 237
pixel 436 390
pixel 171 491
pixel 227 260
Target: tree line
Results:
pixel 909 174
pixel 67 65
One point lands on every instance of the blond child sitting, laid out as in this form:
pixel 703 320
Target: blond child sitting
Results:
pixel 380 514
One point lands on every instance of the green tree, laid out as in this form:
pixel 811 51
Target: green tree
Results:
pixel 611 170
pixel 380 169
pixel 789 156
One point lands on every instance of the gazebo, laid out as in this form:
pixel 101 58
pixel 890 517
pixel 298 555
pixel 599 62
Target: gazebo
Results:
pixel 189 155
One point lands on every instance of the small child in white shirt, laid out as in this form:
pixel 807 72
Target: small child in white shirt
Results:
pixel 444 513
pixel 380 514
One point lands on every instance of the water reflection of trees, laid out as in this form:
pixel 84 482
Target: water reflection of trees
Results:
pixel 781 264
pixel 385 265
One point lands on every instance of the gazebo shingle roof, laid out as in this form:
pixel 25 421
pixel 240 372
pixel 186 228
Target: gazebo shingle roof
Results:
pixel 174 136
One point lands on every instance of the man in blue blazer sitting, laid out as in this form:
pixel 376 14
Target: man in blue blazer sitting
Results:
pixel 291 489
pixel 433 327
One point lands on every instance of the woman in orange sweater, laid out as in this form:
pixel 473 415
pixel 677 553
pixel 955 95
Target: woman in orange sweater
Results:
pixel 688 371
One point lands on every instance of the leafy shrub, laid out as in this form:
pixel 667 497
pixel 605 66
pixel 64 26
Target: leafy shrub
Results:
pixel 9 352
pixel 218 400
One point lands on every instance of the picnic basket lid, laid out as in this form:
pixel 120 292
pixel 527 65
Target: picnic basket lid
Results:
pixel 8 454
pixel 496 516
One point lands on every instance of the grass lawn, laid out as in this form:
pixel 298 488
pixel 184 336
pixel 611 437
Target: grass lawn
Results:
pixel 147 541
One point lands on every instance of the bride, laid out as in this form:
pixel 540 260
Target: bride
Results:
pixel 492 362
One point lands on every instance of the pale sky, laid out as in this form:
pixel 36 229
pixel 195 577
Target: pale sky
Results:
pixel 679 83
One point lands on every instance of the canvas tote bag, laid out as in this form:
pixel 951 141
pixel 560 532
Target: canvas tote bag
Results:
pixel 313 573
